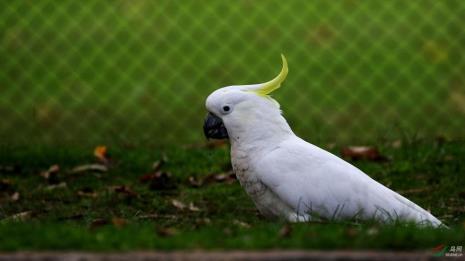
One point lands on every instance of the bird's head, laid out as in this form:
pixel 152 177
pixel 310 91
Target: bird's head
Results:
pixel 235 110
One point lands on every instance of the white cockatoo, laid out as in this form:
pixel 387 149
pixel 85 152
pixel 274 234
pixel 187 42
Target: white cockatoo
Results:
pixel 289 178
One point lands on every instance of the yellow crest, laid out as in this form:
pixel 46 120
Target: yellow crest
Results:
pixel 268 87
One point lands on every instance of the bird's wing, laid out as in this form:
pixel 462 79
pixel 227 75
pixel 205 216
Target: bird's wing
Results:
pixel 313 180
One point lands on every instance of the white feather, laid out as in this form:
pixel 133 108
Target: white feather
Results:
pixel 313 181
pixel 290 178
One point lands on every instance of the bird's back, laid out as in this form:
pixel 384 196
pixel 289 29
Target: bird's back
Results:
pixel 312 180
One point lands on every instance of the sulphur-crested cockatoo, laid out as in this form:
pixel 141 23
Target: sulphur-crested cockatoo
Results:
pixel 289 178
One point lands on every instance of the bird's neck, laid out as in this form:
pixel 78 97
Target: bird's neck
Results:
pixel 257 133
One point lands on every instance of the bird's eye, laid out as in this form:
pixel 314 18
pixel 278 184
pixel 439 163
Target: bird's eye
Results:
pixel 226 108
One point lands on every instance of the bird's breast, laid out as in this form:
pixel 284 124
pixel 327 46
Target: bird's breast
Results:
pixel 265 200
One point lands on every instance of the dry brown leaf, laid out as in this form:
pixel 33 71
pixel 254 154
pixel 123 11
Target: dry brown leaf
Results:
pixel 362 153
pixel 147 177
pixel 193 207
pixel 194 182
pixel 227 177
pixel 15 196
pixel 119 222
pixel 89 167
pixel 125 190
pixel 351 232
pixel 178 204
pixel 156 166
pixel 60 185
pixel 101 153
pixel 285 231
pixel 148 216
pixel 87 193
pixel 159 180
pixel 167 232
pixel 98 222
pixel 22 216
pixel 51 175
pixel 241 224
pixel 203 221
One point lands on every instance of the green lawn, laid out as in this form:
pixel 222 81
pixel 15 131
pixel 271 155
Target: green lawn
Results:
pixel 92 211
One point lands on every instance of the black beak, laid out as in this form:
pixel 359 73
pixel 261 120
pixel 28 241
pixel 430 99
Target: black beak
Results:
pixel 213 127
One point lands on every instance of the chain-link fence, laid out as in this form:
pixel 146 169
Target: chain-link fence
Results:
pixel 138 72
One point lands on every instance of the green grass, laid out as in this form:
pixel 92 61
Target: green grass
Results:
pixel 429 173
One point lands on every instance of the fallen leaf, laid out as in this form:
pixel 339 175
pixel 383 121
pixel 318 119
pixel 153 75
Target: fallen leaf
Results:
pixel 178 204
pixel 119 222
pixel 362 153
pixel 148 216
pixel 159 180
pixel 90 167
pixel 193 207
pixel 203 221
pixel 194 182
pixel 60 185
pixel 125 190
pixel 285 231
pixel 51 175
pixel 351 232
pixel 147 177
pixel 241 223
pixel 167 232
pixel 226 177
pixel 158 216
pixel 87 193
pixel 15 196
pixel 98 222
pixel 22 216
pixel 156 166
pixel 101 153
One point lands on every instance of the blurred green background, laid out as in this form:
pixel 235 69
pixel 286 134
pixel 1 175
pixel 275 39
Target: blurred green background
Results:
pixel 130 72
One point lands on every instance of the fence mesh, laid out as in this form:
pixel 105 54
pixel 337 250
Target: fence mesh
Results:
pixel 138 72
